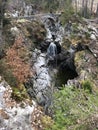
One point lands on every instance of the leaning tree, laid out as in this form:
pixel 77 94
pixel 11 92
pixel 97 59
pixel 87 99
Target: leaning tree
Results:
pixel 2 9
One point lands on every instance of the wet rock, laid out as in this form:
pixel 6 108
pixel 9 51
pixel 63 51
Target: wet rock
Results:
pixel 93 36
pixel 86 66
pixel 44 45
pixel 40 85
pixel 92 28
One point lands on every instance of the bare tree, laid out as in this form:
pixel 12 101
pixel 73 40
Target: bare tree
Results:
pixel 2 8
pixel 82 8
pixel 1 20
pixel 86 8
pixel 97 11
pixel 76 6
pixel 92 2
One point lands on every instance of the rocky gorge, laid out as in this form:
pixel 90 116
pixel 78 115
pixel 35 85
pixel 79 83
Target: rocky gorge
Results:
pixel 26 43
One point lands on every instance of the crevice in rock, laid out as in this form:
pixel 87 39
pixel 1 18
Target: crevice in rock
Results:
pixel 67 69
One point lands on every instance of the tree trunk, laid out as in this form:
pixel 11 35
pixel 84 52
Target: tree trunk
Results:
pixel 86 8
pixel 82 8
pixel 1 21
pixel 92 2
pixel 2 8
pixel 76 6
pixel 97 11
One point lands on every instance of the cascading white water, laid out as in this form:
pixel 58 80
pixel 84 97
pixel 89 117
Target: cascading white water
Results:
pixel 42 78
pixel 27 10
pixel 42 81
pixel 49 35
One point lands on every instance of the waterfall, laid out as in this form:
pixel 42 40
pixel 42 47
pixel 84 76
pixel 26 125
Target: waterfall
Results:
pixel 49 35
pixel 43 80
pixel 27 10
pixel 52 50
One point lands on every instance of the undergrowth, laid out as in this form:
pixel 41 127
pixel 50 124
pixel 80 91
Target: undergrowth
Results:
pixel 72 107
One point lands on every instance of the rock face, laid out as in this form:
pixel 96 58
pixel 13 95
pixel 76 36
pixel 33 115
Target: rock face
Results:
pixel 12 115
pixel 86 64
pixel 41 81
pixel 86 59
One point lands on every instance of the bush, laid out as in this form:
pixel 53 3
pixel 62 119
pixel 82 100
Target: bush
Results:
pixel 7 74
pixel 15 59
pixel 71 107
pixel 87 85
pixel 19 93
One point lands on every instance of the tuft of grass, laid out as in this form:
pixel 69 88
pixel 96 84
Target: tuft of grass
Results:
pixel 87 85
pixel 19 93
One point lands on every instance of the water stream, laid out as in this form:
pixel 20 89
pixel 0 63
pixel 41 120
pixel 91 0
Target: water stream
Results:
pixel 43 81
pixel 45 71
